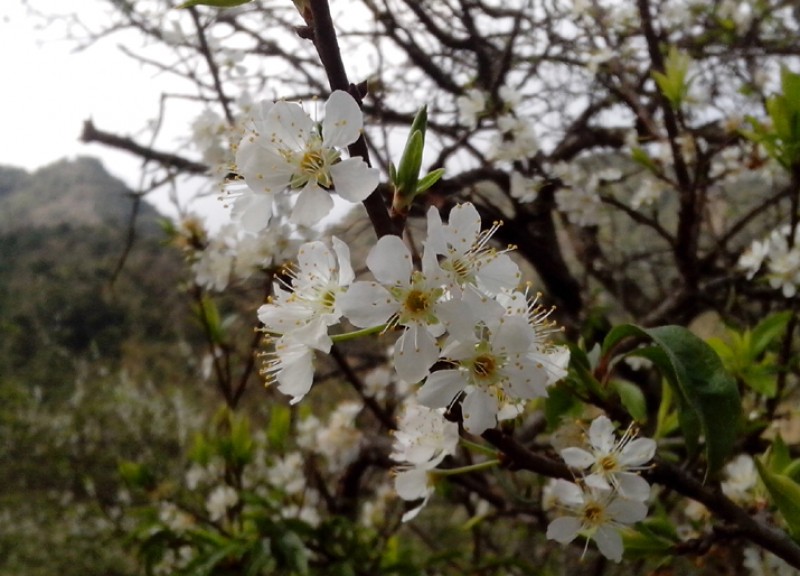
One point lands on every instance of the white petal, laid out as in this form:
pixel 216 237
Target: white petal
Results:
pixel 609 542
pixel 577 458
pixel 563 530
pixel 253 211
pixel 568 493
pixel 390 261
pixel 412 484
pixel 598 482
pixel 367 304
pixel 637 452
pixel 315 262
pixel 343 120
pixel 296 378
pixel 441 388
pixel 346 275
pixel 354 180
pixel 435 238
pixel 313 204
pixel 289 126
pixel 480 411
pixel 501 273
pixel 414 353
pixel 263 169
pixel 601 434
pixel 633 486
pixel 513 336
pixel 627 511
pixel 464 226
pixel 526 378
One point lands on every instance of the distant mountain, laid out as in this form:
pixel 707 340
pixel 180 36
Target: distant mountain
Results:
pixel 64 301
pixel 74 193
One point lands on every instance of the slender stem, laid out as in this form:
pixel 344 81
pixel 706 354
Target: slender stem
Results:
pixel 475 447
pixel 355 335
pixel 479 467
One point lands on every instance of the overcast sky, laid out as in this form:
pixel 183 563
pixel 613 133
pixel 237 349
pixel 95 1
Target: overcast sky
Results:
pixel 49 90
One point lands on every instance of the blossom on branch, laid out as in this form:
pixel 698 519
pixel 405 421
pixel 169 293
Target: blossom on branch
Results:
pixel 613 463
pixel 596 514
pixel 290 151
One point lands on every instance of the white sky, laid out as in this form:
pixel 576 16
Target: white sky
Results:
pixel 49 90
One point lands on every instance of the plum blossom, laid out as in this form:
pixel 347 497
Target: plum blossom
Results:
pixel 289 150
pixel 470 106
pixel 596 514
pixel 741 478
pixel 290 363
pixel 463 253
pixel 490 365
pixel 403 297
pixel 221 499
pixel 782 259
pixel 523 189
pixel 423 439
pixel 613 463
pixel 305 312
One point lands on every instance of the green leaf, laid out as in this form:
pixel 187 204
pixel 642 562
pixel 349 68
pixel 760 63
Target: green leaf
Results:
pixel 632 398
pixel 711 393
pixel 560 402
pixel 673 83
pixel 641 157
pixel 410 163
pixel 779 457
pixel 708 397
pixel 785 493
pixel 429 180
pixel 209 318
pixel 216 3
pixel 136 474
pixel 768 330
pixel 761 379
pixel 643 542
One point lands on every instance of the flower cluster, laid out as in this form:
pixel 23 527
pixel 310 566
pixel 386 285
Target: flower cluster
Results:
pixel 611 495
pixel 782 258
pixel 460 310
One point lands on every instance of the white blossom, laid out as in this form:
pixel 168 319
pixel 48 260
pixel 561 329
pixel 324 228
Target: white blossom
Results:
pixel 470 106
pixel 595 514
pixel 288 150
pixel 221 499
pixel 613 463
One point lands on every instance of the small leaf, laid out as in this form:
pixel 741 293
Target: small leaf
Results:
pixel 632 398
pixel 708 397
pixel 560 402
pixel 429 180
pixel 673 82
pixel 768 330
pixel 785 494
pixel 641 157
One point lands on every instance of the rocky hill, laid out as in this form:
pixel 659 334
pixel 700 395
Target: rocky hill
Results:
pixel 70 192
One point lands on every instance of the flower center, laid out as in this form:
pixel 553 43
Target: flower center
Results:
pixel 417 302
pixel 328 299
pixel 608 463
pixel 593 514
pixel 314 164
pixel 484 366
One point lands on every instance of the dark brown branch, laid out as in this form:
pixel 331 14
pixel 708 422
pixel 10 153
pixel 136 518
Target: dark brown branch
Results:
pixel 92 134
pixel 327 47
